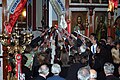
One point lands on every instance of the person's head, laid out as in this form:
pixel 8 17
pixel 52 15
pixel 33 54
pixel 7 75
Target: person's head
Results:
pixel 79 20
pixel 35 46
pixel 77 57
pixel 41 57
pixel 71 58
pixel 99 48
pixel 101 19
pixel 83 73
pixel 108 68
pixel 43 70
pixel 103 42
pixel 56 69
pixel 93 74
pixel 53 28
pixel 84 57
pixel 109 39
pixel 94 40
pixel 92 35
pixel 117 44
pixel 28 49
pixel 24 59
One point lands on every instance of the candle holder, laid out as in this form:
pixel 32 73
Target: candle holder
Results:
pixel 16 44
pixel 17 41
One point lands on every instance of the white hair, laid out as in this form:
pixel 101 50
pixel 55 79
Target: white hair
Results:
pixel 56 69
pixel 43 70
pixel 108 68
pixel 83 73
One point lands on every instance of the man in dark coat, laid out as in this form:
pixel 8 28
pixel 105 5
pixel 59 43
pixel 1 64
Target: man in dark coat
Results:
pixel 109 70
pixel 43 72
pixel 72 71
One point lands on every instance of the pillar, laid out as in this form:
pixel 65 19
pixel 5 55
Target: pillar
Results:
pixel 5 61
pixel 109 24
pixel 67 16
pixel 34 15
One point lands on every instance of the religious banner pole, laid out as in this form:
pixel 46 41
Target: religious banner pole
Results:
pixel 14 12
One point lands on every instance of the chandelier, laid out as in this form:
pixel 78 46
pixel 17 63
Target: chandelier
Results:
pixel 17 41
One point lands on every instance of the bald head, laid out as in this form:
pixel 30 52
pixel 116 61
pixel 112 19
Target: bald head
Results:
pixel 43 70
pixel 93 74
pixel 83 73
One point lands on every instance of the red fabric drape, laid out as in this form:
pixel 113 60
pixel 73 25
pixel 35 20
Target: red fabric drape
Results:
pixel 13 17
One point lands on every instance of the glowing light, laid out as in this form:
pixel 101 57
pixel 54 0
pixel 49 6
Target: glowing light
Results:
pixel 24 13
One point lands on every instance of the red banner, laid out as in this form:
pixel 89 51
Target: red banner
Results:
pixel 115 3
pixel 18 58
pixel 14 16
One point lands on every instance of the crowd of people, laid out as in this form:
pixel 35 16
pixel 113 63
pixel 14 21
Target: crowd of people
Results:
pixel 58 55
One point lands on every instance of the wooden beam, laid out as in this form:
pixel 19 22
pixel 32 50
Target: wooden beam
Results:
pixel 4 14
pixel 1 56
pixel 4 18
pixel 67 9
pixel 34 15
